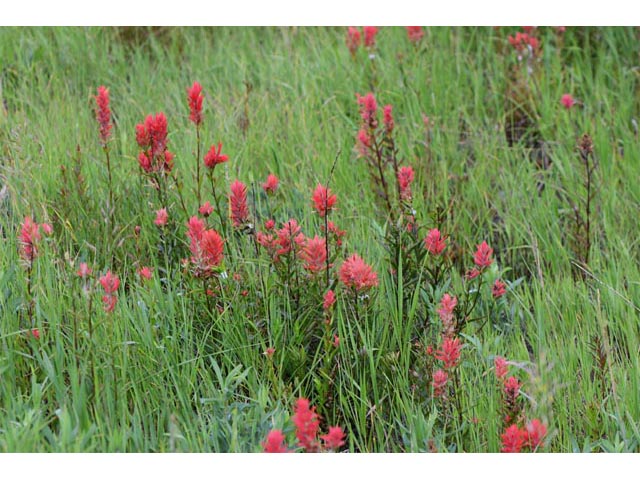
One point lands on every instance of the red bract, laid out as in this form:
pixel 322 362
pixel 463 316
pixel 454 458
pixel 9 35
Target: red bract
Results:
pixel 499 289
pixel 145 273
pixel 110 284
pixel 275 442
pixel 567 101
pixel 405 179
pixel 269 224
pixel 368 110
pixel 415 34
pixel 370 36
pixel 357 275
pixel 271 184
pixel 28 238
pixel 103 114
pixel 535 431
pixel 353 39
pixel 35 333
pixel 511 390
pixel 447 304
pixel 83 271
pixel 238 203
pixel 152 138
pixel 387 117
pixel 194 94
pixel 439 382
pixel 337 233
pixel 289 238
pixel 334 439
pixel 513 439
pixel 523 41
pixel 161 217
pixel 482 257
pixel 449 352
pixel 434 242
pixel 314 254
pixel 329 300
pixel 206 248
pixel 205 209
pixel 501 367
pixel 307 424
pixel 323 200
pixel 215 156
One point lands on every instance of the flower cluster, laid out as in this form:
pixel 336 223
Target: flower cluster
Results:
pixel 357 275
pixel 151 136
pixel 103 114
pixel 238 204
pixel 195 97
pixel 110 284
pixel 206 246
pixel 355 38
pixel 29 238
pixel 415 34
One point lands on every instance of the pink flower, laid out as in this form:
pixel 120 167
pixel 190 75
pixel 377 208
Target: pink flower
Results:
pixel 471 274
pixel 194 95
pixel 145 273
pixel 271 184
pixel 405 179
pixel 439 382
pixel 499 289
pixel 269 352
pixel 206 248
pixel 238 204
pixel 323 200
pixel 415 34
pixel 151 136
pixel 513 439
pixel 368 110
pixel 535 431
pixel 46 228
pixel 511 390
pixel 336 232
pixel 307 424
pixel 329 300
pixel 289 238
pixel 387 118
pixel 334 439
pixel 353 39
pixel 206 209
pixel 110 284
pixel 161 217
pixel 314 254
pixel 275 442
pixel 357 275
pixel 449 352
pixel 269 224
pixel 523 41
pixel 501 367
pixel 434 242
pixel 370 36
pixel 28 239
pixel 482 257
pixel 103 114
pixel 336 341
pixel 83 271
pixel 215 156
pixel 567 101
pixel 364 142
pixel 447 304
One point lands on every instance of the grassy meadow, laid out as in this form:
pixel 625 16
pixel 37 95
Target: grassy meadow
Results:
pixel 212 358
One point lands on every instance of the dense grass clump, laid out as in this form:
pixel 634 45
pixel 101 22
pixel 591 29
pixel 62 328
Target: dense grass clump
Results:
pixel 301 239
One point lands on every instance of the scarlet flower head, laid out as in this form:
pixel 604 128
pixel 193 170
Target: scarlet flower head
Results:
pixel 314 254
pixel 370 36
pixel 336 232
pixel 323 200
pixel 482 257
pixel 353 39
pixel 471 274
pixel 535 431
pixel 205 209
pixel 387 118
pixel 307 424
pixel 439 382
pixel 368 109
pixel 275 442
pixel 151 136
pixel 364 142
pixel 499 289
pixel 103 114
pixel 405 179
pixel 329 300
pixel 434 242
pixel 357 275
pixel 215 156
pixel 194 95
pixel 46 228
pixel 523 42
pixel 567 101
pixel 28 238
pixel 289 238
pixel 449 352
pixel 269 224
pixel 83 271
pixel 513 439
pixel 110 284
pixel 206 248
pixel 145 273
pixel 35 333
pixel 511 389
pixel 447 305
pixel 501 367
pixel 161 217
pixel 271 184
pixel 415 34
pixel 238 204
pixel 334 439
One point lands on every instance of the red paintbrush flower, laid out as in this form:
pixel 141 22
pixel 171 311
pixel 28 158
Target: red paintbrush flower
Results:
pixel 353 39
pixel 110 284
pixel 307 424
pixel 482 257
pixel 439 382
pixel 501 367
pixel 314 254
pixel 103 114
pixel 434 242
pixel 513 439
pixel 238 204
pixel 499 289
pixel 405 179
pixel 357 275
pixel 271 184
pixel 449 352
pixel 28 239
pixel 370 36
pixel 415 34
pixel 275 442
pixel 323 200
pixel 329 300
pixel 334 439
pixel 194 95
pixel 215 156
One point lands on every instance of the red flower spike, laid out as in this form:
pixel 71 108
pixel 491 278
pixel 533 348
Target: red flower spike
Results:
pixel 434 242
pixel 499 289
pixel 206 209
pixel 194 95
pixel 314 254
pixel 439 382
pixel 567 101
pixel 370 36
pixel 307 424
pixel 329 300
pixel 368 110
pixel 535 431
pixel 145 273
pixel 357 275
pixel 215 156
pixel 161 217
pixel 323 200
pixel 387 118
pixel 28 239
pixel 271 185
pixel 405 179
pixel 415 34
pixel 83 271
pixel 513 439
pixel 275 442
pixel 501 367
pixel 482 257
pixel 353 39
pixel 449 352
pixel 238 204
pixel 334 439
pixel 110 284
pixel 103 114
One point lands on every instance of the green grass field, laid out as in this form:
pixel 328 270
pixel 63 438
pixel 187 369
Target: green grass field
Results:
pixel 172 368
